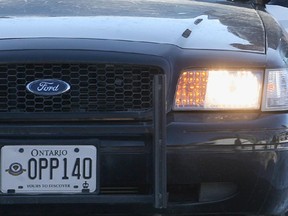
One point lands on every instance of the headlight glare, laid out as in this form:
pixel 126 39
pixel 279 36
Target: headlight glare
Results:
pixel 218 90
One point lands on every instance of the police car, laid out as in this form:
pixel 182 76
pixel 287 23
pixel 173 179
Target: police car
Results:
pixel 143 107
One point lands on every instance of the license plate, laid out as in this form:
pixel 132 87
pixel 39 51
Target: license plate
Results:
pixel 48 169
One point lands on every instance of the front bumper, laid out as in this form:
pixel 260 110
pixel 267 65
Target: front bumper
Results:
pixel 216 163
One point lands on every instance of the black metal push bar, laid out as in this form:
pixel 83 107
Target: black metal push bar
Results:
pixel 159 170
pixel 159 143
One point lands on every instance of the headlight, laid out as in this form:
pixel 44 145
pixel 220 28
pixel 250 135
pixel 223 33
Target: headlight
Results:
pixel 276 90
pixel 219 90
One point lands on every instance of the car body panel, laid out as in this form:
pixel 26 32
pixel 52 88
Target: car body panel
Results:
pixel 221 162
pixel 208 24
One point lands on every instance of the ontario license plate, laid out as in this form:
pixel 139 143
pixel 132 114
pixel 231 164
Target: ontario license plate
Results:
pixel 48 169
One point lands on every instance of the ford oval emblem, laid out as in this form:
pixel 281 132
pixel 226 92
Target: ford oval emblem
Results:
pixel 48 87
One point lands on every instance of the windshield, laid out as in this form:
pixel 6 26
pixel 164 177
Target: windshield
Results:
pixel 155 8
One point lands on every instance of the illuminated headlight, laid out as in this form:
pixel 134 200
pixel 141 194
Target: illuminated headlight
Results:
pixel 219 90
pixel 276 90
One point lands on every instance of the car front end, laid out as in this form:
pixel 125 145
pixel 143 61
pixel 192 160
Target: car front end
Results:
pixel 170 108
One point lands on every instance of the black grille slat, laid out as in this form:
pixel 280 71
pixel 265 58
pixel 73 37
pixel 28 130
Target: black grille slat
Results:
pixel 94 88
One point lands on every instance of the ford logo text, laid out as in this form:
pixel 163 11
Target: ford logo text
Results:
pixel 48 87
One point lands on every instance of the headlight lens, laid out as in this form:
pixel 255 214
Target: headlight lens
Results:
pixel 218 90
pixel 276 90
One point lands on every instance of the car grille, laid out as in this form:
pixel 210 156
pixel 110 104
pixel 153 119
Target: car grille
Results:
pixel 94 87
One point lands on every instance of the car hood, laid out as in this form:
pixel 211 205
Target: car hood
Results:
pixel 189 25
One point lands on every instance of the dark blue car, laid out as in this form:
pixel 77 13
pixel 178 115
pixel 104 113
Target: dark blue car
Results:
pixel 143 107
